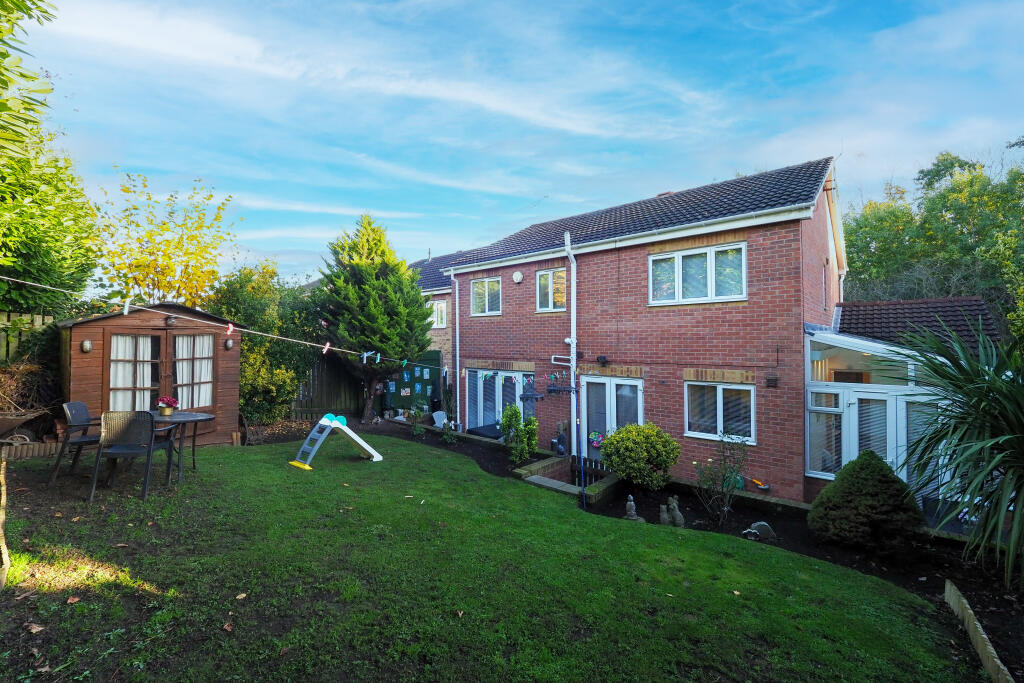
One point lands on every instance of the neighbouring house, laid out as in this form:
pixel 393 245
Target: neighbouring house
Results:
pixel 123 361
pixel 438 286
pixel 714 312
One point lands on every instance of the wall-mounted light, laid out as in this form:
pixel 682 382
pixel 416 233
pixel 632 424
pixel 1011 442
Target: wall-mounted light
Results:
pixel 86 345
pixel 517 276
pixel 229 343
pixel 602 361
pixel 171 320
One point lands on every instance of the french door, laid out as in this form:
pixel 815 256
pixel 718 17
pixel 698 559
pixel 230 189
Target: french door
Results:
pixel 144 365
pixel 489 392
pixel 607 403
pixel 873 416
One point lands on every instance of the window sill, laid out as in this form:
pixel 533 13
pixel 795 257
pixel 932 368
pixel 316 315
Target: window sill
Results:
pixel 550 310
pixel 690 302
pixel 819 475
pixel 714 437
pixel 484 315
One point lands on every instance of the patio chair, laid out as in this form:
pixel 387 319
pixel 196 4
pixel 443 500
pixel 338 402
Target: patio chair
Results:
pixel 131 434
pixel 76 436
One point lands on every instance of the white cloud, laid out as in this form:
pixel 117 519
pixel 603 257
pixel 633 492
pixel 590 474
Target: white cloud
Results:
pixel 272 204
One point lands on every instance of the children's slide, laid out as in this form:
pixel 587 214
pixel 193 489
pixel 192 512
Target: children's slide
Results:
pixel 328 424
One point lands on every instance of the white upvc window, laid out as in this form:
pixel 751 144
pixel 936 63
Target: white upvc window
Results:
pixel 720 411
pixel 693 276
pixel 485 296
pixel 438 313
pixel 551 290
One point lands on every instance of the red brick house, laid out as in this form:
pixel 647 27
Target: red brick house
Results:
pixel 710 312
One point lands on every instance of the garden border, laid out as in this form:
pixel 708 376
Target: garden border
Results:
pixel 982 645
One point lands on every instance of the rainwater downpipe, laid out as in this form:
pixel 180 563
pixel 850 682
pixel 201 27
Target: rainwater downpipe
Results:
pixel 458 376
pixel 574 396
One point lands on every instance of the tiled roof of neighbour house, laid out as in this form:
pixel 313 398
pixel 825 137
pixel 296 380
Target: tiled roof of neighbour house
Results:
pixel 430 269
pixel 789 187
pixel 890 321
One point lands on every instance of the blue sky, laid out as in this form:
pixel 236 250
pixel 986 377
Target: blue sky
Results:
pixel 455 123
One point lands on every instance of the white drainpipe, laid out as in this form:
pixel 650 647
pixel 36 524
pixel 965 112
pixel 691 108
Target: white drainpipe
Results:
pixel 571 341
pixel 457 381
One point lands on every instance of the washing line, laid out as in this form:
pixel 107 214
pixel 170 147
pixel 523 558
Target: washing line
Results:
pixel 228 327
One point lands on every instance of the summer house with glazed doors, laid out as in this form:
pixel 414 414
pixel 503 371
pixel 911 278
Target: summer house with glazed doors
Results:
pixel 127 361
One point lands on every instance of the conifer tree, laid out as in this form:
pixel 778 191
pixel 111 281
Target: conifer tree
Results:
pixel 373 303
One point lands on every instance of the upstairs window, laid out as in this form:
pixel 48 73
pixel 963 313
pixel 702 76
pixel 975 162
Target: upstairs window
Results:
pixel 698 275
pixel 485 296
pixel 551 290
pixel 438 313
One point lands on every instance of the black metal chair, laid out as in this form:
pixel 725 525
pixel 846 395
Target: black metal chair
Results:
pixel 76 436
pixel 131 434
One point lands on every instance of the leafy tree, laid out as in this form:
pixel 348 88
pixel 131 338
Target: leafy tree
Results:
pixel 974 451
pixel 47 227
pixel 20 89
pixel 373 303
pixel 951 242
pixel 271 370
pixel 162 249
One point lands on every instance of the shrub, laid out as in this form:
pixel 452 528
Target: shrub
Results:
pixel 520 438
pixel 448 434
pixel 640 454
pixel 719 479
pixel 867 506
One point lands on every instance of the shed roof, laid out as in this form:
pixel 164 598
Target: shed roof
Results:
pixel 891 321
pixel 174 307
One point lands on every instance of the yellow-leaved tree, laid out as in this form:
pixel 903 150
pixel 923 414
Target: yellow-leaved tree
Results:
pixel 161 248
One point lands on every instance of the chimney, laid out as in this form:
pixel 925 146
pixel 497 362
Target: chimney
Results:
pixel 428 254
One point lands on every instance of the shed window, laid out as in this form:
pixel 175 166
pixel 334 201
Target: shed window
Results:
pixel 134 371
pixel 193 370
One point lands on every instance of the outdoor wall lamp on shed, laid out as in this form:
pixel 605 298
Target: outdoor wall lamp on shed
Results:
pixel 86 345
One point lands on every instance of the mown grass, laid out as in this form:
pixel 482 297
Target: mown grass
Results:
pixel 421 566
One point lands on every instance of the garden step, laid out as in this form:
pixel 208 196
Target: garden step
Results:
pixel 553 484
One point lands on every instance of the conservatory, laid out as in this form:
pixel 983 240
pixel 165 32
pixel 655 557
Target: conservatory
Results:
pixel 861 395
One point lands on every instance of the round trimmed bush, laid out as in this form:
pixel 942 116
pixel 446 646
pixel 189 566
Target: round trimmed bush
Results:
pixel 867 506
pixel 640 454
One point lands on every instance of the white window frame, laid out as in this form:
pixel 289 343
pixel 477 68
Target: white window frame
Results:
pixel 550 272
pixel 484 280
pixel 434 306
pixel 677 257
pixel 721 436
pixel 520 383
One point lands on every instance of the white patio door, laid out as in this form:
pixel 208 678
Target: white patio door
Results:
pixel 873 418
pixel 608 403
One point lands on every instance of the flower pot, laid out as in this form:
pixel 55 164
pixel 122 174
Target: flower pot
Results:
pixel 166 410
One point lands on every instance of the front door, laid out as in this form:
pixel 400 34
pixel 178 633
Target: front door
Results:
pixel 607 404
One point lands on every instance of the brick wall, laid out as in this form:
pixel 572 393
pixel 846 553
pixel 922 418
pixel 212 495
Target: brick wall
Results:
pixel 441 338
pixel 761 336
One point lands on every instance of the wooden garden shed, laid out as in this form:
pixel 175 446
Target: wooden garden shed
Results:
pixel 123 361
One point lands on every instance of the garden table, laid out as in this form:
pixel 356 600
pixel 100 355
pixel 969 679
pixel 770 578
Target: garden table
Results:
pixel 183 419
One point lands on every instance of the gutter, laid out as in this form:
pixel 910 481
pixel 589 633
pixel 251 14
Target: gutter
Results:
pixel 574 414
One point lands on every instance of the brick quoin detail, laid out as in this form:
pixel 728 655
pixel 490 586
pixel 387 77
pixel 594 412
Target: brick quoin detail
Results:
pixel 762 335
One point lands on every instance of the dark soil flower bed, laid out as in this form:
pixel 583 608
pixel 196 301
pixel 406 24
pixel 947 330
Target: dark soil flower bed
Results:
pixel 921 567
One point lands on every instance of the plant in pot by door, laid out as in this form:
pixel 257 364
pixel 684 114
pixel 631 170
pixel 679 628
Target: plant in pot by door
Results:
pixel 166 405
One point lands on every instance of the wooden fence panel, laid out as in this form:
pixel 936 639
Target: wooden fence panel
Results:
pixel 327 389
pixel 15 327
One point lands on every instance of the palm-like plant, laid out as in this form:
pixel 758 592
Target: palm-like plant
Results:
pixel 974 450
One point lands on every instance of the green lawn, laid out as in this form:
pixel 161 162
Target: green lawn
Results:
pixel 421 566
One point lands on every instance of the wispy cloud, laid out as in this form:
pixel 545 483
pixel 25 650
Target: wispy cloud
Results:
pixel 274 204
